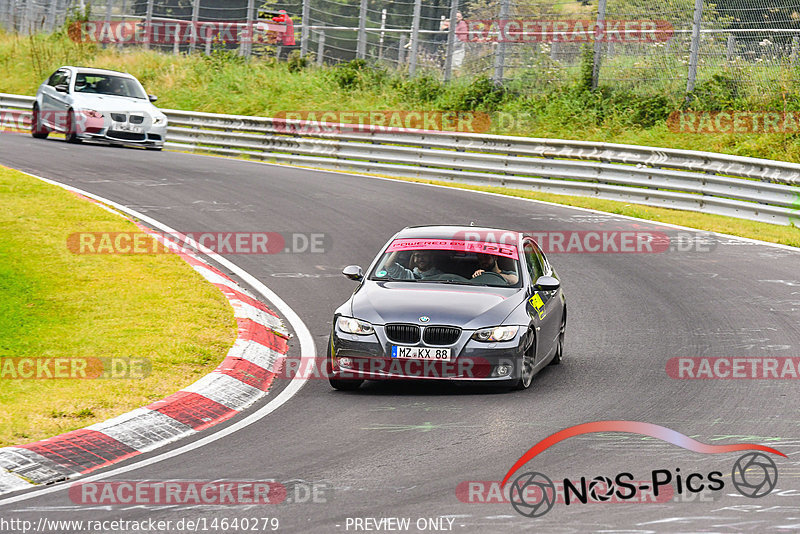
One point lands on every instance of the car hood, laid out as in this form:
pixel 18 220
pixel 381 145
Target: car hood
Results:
pixel 113 103
pixel 405 302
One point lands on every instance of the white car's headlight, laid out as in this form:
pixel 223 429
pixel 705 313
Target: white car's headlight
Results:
pixel 496 333
pixel 354 326
pixel 159 120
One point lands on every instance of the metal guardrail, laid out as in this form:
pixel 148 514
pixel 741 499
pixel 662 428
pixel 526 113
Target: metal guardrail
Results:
pixel 746 188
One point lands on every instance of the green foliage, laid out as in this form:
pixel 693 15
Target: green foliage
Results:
pixel 720 92
pixel 423 89
pixel 359 74
pixel 297 63
pixel 586 69
pixel 481 94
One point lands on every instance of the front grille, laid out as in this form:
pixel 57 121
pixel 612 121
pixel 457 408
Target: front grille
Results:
pixel 441 335
pixel 137 119
pixel 119 117
pixel 402 333
pixel 127 136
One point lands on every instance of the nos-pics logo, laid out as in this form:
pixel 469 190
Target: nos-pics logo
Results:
pixel 533 494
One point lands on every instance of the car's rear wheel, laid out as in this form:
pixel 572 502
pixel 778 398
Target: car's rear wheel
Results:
pixel 71 134
pixel 342 384
pixel 526 368
pixel 37 129
pixel 559 357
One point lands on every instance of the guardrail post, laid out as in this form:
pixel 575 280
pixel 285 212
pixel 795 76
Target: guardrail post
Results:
pixel 361 46
pixel 148 22
pixel 451 41
pixel 321 48
pixel 695 46
pixel 500 52
pixel 305 32
pixel 193 30
pixel 412 61
pixel 601 20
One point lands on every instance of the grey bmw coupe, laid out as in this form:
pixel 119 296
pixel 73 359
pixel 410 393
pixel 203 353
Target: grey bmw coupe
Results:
pixel 450 303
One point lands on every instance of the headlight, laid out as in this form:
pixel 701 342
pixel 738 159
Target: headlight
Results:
pixel 496 333
pixel 354 326
pixel 158 120
pixel 93 114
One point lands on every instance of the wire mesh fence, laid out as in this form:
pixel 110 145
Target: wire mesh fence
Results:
pixel 653 47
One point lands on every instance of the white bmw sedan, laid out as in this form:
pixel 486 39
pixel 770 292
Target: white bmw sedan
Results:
pixel 98 104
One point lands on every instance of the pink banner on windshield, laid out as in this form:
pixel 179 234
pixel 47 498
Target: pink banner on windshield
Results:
pixel 480 247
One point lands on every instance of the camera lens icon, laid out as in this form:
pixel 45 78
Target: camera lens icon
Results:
pixel 532 494
pixel 754 475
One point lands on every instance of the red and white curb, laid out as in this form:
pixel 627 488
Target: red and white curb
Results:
pixel 240 380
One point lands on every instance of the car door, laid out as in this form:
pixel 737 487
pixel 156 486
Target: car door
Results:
pixel 543 307
pixel 55 103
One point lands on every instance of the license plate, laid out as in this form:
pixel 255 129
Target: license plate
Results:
pixel 124 127
pixel 420 353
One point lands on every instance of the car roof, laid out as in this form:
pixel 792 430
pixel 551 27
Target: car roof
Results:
pixel 88 70
pixel 449 231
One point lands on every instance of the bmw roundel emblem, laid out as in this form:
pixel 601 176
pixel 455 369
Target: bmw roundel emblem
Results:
pixel 424 319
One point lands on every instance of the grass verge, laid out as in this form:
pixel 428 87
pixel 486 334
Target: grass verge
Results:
pixel 54 303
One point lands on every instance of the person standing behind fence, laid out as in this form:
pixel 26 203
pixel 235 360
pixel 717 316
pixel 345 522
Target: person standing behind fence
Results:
pixel 460 44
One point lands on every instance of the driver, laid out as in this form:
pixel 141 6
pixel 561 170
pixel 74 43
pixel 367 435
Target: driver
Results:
pixel 420 266
pixel 488 263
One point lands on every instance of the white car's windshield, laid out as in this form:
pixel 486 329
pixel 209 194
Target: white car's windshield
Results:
pixel 449 261
pixel 108 84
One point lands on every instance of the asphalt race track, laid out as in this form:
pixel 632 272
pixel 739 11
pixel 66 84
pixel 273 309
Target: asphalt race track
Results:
pixel 400 450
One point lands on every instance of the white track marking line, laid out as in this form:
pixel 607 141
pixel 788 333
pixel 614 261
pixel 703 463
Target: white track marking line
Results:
pixel 307 352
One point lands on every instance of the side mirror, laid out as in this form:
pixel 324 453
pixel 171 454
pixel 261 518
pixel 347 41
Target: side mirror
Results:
pixel 353 272
pixel 152 98
pixel 546 283
pixel 62 88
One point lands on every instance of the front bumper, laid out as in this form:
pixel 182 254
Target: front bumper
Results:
pixel 470 360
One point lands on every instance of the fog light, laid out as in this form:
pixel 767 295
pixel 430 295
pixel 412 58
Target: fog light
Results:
pixel 503 370
pixel 345 362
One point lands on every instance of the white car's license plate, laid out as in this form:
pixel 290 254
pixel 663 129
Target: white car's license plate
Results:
pixel 420 353
pixel 123 127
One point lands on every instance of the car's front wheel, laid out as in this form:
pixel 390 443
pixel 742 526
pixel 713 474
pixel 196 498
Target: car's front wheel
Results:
pixel 71 134
pixel 526 368
pixel 37 129
pixel 342 384
pixel 559 357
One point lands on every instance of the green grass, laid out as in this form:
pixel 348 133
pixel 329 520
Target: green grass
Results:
pixel 54 303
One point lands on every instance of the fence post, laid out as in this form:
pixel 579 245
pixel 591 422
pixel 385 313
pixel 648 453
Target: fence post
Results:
pixel 195 19
pixel 401 50
pixel 361 46
pixel 209 37
pixel 321 48
pixel 247 45
pixel 795 45
pixel 412 61
pixel 106 33
pixel 148 22
pixel 383 33
pixel 500 52
pixel 451 41
pixel 730 50
pixel 695 46
pixel 598 50
pixel 305 32
pixel 27 26
pixel 50 19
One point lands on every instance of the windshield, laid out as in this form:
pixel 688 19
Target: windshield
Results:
pixel 108 84
pixel 449 261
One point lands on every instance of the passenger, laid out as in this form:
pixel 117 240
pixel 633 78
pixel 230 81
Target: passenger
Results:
pixel 420 266
pixel 488 263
